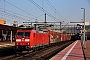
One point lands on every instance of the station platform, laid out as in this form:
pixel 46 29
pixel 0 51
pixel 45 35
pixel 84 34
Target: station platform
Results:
pixel 72 52
pixel 6 44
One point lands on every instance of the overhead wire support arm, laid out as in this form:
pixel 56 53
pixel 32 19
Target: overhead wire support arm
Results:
pixel 76 22
pixel 42 22
pixel 43 10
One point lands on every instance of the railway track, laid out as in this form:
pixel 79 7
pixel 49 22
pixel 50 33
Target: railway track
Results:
pixel 43 54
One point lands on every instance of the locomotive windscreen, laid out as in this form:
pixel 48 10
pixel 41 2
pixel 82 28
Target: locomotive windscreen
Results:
pixel 23 34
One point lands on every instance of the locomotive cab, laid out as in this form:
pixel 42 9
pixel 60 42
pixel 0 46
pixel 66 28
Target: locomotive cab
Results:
pixel 31 39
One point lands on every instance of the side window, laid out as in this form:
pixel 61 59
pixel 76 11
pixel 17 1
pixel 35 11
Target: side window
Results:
pixel 34 34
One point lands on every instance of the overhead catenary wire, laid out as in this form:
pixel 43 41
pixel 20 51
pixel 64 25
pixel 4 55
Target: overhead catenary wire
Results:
pixel 12 15
pixel 17 14
pixel 54 9
pixel 30 14
pixel 16 7
pixel 10 11
pixel 42 9
pixel 56 19
pixel 13 12
pixel 22 10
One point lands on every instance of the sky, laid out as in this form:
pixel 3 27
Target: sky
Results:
pixel 32 10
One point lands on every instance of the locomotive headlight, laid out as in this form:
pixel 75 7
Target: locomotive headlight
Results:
pixel 18 40
pixel 27 40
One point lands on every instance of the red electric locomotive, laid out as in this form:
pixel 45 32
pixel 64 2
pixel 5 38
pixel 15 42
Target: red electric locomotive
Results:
pixel 28 39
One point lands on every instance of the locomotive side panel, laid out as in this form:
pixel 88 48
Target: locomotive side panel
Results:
pixel 32 39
